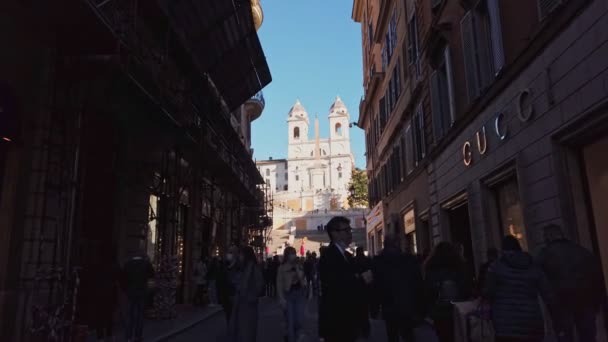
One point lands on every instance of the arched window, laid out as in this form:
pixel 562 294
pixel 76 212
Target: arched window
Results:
pixel 339 128
pixel 296 133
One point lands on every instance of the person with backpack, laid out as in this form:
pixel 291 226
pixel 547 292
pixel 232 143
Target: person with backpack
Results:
pixel 446 281
pixel 574 275
pixel 512 286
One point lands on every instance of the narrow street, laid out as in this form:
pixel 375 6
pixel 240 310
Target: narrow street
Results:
pixel 270 328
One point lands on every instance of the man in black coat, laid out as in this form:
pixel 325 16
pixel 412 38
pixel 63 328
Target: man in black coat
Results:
pixel 399 289
pixel 340 284
pixel 574 276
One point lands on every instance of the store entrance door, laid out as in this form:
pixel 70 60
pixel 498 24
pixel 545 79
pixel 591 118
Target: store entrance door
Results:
pixel 460 231
pixel 596 169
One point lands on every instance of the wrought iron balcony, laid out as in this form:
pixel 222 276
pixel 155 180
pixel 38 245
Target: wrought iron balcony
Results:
pixel 255 105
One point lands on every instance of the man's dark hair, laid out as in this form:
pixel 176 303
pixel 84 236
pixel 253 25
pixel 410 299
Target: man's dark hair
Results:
pixel 335 222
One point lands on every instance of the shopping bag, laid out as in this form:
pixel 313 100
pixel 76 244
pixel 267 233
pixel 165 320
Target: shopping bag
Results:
pixel 479 324
pixel 461 312
pixel 425 333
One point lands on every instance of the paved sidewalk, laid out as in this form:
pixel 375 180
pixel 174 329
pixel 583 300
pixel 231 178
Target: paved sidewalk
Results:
pixel 164 330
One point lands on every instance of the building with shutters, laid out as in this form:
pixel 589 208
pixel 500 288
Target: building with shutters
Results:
pixel 395 114
pixel 312 184
pixel 514 112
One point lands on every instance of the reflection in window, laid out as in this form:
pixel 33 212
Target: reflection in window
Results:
pixel 510 213
pixel 151 239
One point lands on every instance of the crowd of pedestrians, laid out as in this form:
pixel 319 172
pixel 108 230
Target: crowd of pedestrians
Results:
pixel 417 297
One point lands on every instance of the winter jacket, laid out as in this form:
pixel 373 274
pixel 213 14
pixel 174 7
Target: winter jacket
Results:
pixel 398 286
pixel 288 276
pixel 573 273
pixel 513 285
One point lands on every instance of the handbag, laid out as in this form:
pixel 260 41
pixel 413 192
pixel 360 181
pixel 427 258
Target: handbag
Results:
pixel 479 324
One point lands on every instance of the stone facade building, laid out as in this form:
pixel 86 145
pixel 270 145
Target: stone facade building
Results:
pixel 511 109
pixel 125 130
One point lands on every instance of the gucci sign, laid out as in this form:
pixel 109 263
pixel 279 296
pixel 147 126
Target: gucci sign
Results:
pixel 525 111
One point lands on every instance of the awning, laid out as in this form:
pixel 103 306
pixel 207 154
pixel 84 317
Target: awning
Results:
pixel 221 36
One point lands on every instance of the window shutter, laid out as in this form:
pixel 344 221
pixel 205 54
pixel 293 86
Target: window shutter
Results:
pixel 470 65
pixel 545 7
pixel 403 156
pixel 382 115
pixel 436 106
pixel 498 53
pixel 484 50
pixel 420 122
pixel 410 148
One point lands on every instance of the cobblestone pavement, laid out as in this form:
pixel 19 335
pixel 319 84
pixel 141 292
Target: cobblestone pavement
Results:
pixel 271 326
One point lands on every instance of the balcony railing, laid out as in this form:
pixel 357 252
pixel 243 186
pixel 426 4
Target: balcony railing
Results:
pixel 259 96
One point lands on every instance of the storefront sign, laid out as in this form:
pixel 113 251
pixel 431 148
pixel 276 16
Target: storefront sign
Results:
pixel 409 222
pixel 524 111
pixel 375 217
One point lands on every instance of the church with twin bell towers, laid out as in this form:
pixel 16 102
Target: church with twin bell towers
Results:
pixel 312 184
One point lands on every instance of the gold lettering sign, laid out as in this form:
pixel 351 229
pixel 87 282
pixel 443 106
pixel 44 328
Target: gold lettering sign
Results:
pixel 466 153
pixel 524 112
pixel 482 142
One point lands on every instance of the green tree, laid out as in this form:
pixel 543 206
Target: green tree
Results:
pixel 358 189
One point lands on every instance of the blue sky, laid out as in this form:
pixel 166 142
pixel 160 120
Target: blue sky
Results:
pixel 313 49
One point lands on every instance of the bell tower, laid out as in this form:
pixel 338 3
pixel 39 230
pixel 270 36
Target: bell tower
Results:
pixel 297 129
pixel 338 120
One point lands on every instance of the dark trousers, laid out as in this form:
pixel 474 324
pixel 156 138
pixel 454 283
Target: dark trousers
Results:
pixel 445 329
pixel 104 326
pixel 566 319
pixel 199 295
pixel 135 318
pixel 395 329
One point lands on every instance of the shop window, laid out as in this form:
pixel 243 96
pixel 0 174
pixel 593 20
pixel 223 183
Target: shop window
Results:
pixel 510 211
pixel 151 240
pixel 409 223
